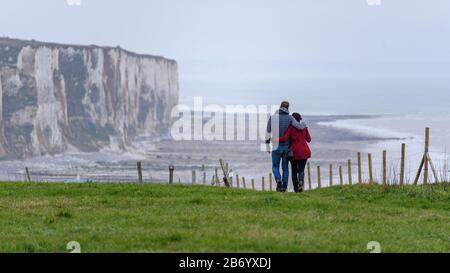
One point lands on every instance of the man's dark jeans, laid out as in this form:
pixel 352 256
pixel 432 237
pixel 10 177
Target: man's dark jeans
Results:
pixel 281 155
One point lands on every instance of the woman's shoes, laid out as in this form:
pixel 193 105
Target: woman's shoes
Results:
pixel 299 187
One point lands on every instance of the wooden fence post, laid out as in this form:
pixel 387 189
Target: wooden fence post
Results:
pixel 237 181
pixel 416 180
pixel 27 171
pixel 385 168
pixel 139 169
pixel 262 184
pixel 243 183
pixel 331 175
pixel 217 177
pixel 226 174
pixel 204 174
pixel 319 182
pixel 425 160
pixel 426 157
pixel 171 171
pixel 253 184
pixel 359 168
pixel 370 169
pixel 402 165
pixel 350 175
pixel 194 177
pixel 270 182
pixel 309 176
pixel 436 178
pixel 341 176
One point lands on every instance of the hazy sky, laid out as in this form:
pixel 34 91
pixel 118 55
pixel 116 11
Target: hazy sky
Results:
pixel 330 30
pixel 316 52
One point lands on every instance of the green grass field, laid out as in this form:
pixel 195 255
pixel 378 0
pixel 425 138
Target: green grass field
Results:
pixel 165 218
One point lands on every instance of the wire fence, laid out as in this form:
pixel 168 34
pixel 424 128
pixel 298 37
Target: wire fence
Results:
pixel 393 170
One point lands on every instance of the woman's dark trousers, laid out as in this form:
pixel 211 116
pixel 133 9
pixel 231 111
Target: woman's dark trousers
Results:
pixel 298 174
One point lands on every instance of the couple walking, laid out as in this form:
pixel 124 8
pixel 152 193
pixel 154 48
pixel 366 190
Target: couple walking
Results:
pixel 290 137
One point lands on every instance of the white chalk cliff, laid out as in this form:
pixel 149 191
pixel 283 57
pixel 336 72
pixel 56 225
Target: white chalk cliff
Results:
pixel 58 96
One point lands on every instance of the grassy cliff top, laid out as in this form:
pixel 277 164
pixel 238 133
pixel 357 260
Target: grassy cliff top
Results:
pixel 174 218
pixel 5 41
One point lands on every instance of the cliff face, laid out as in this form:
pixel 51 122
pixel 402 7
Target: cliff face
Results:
pixel 55 97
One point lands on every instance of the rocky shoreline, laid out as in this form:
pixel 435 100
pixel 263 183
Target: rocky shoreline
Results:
pixel 329 145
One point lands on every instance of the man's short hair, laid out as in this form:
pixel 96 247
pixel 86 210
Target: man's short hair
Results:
pixel 285 104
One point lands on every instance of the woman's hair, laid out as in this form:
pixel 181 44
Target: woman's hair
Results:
pixel 297 116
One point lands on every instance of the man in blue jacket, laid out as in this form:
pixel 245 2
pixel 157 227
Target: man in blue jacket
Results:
pixel 277 125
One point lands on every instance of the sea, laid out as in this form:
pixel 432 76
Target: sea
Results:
pixel 366 108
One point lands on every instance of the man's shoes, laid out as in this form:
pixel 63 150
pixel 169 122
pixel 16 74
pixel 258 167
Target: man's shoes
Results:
pixel 279 186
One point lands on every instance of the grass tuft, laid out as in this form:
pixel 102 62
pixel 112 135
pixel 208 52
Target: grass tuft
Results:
pixel 64 214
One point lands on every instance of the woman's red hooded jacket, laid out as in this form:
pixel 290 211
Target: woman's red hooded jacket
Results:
pixel 299 140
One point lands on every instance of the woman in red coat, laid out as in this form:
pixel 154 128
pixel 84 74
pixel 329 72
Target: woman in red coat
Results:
pixel 301 152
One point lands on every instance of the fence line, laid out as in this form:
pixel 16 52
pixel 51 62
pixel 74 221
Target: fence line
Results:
pixel 426 172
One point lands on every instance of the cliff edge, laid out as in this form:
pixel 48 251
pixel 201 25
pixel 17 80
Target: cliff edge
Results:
pixel 55 97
